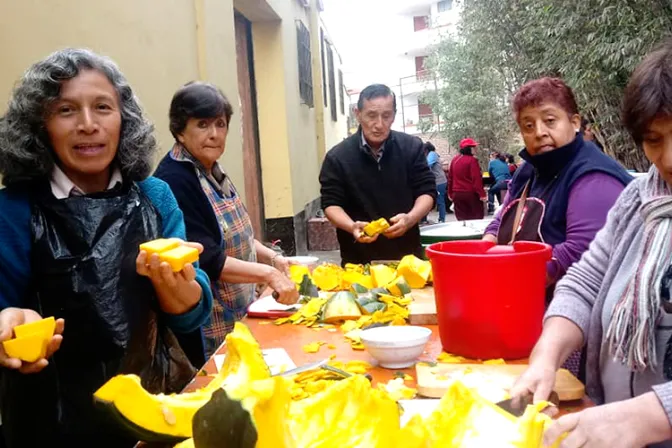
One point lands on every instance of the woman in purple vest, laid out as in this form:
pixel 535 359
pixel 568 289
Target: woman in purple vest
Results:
pixel 566 185
pixel 616 300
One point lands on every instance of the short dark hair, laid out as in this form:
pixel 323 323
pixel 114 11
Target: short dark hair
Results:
pixel 197 99
pixel 510 158
pixel 467 150
pixel 538 91
pixel 649 92
pixel 25 148
pixel 376 91
pixel 428 146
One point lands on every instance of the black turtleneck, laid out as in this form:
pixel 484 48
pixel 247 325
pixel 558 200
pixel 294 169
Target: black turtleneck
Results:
pixel 551 176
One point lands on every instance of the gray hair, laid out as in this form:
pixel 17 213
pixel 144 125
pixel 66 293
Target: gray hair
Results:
pixel 25 148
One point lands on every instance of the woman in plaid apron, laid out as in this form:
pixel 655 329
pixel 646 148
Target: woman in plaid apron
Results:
pixel 215 215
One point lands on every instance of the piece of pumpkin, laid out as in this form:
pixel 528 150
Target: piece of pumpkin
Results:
pixel 382 275
pixel 159 245
pixel 31 340
pixel 328 277
pixel 341 306
pixel 46 327
pixel 179 257
pixel 168 418
pixel 415 271
pixel 29 348
pixel 307 288
pixel 297 272
pixel 223 422
pixel 355 278
pixel 376 227
pixel 398 287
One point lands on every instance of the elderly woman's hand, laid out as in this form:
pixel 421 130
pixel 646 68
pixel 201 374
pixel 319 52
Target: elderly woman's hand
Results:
pixel 178 292
pixel 282 264
pixel 537 380
pixel 285 288
pixel 12 317
pixel 633 423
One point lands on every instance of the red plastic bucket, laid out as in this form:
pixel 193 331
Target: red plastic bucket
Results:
pixel 490 299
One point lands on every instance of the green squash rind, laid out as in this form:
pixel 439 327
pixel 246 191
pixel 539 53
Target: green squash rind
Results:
pixel 328 315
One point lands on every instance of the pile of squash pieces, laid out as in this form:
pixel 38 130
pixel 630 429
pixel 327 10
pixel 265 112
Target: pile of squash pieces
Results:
pixel 245 407
pixel 415 273
pixel 359 296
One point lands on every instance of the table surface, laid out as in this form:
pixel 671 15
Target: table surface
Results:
pixel 292 338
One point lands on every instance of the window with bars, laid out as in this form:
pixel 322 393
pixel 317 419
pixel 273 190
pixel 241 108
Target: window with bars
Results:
pixel 341 88
pixel 445 5
pixel 332 84
pixel 305 69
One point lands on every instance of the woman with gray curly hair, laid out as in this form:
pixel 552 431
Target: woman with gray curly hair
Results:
pixel 75 156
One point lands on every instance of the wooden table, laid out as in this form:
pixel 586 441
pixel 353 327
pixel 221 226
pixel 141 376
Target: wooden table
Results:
pixel 293 337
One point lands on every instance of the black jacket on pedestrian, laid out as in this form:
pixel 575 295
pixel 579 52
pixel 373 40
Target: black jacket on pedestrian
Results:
pixel 368 190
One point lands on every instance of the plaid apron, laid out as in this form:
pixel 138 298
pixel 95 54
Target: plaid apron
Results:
pixel 230 300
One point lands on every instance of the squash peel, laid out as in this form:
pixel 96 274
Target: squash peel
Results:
pixel 168 418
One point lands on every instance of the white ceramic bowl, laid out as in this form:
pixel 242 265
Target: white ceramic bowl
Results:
pixel 396 347
pixel 311 262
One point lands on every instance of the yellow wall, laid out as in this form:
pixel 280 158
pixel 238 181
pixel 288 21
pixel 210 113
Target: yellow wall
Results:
pixel 286 126
pixel 273 118
pixel 302 137
pixel 155 48
pixel 335 131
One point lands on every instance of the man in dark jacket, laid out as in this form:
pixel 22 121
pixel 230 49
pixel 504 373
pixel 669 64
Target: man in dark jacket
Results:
pixel 377 173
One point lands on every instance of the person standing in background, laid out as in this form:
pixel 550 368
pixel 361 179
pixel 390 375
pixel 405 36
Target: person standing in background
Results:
pixel 500 173
pixel 465 183
pixel 588 131
pixel 511 161
pixel 434 162
pixel 377 173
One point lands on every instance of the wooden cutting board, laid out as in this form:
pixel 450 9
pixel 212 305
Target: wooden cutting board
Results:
pixel 422 311
pixel 434 381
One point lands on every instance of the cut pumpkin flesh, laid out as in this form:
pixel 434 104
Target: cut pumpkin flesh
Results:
pixel 171 251
pixel 29 348
pixel 415 271
pixel 341 306
pixel 31 341
pixel 398 287
pixel 376 227
pixel 45 327
pixel 382 275
pixel 159 245
pixel 168 418
pixel 179 257
pixel 355 278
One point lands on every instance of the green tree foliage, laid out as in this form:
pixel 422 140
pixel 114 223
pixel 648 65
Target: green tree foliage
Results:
pixel 592 44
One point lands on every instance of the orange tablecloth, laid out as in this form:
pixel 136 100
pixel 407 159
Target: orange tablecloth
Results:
pixel 293 337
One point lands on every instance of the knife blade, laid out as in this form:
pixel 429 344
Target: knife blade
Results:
pixel 517 409
pixel 304 368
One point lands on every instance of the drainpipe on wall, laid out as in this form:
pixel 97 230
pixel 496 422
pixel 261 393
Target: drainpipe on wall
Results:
pixel 318 92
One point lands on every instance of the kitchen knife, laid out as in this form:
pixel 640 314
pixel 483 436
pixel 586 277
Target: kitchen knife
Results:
pixel 304 368
pixel 518 409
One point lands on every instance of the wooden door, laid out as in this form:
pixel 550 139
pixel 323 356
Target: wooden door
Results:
pixel 254 198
